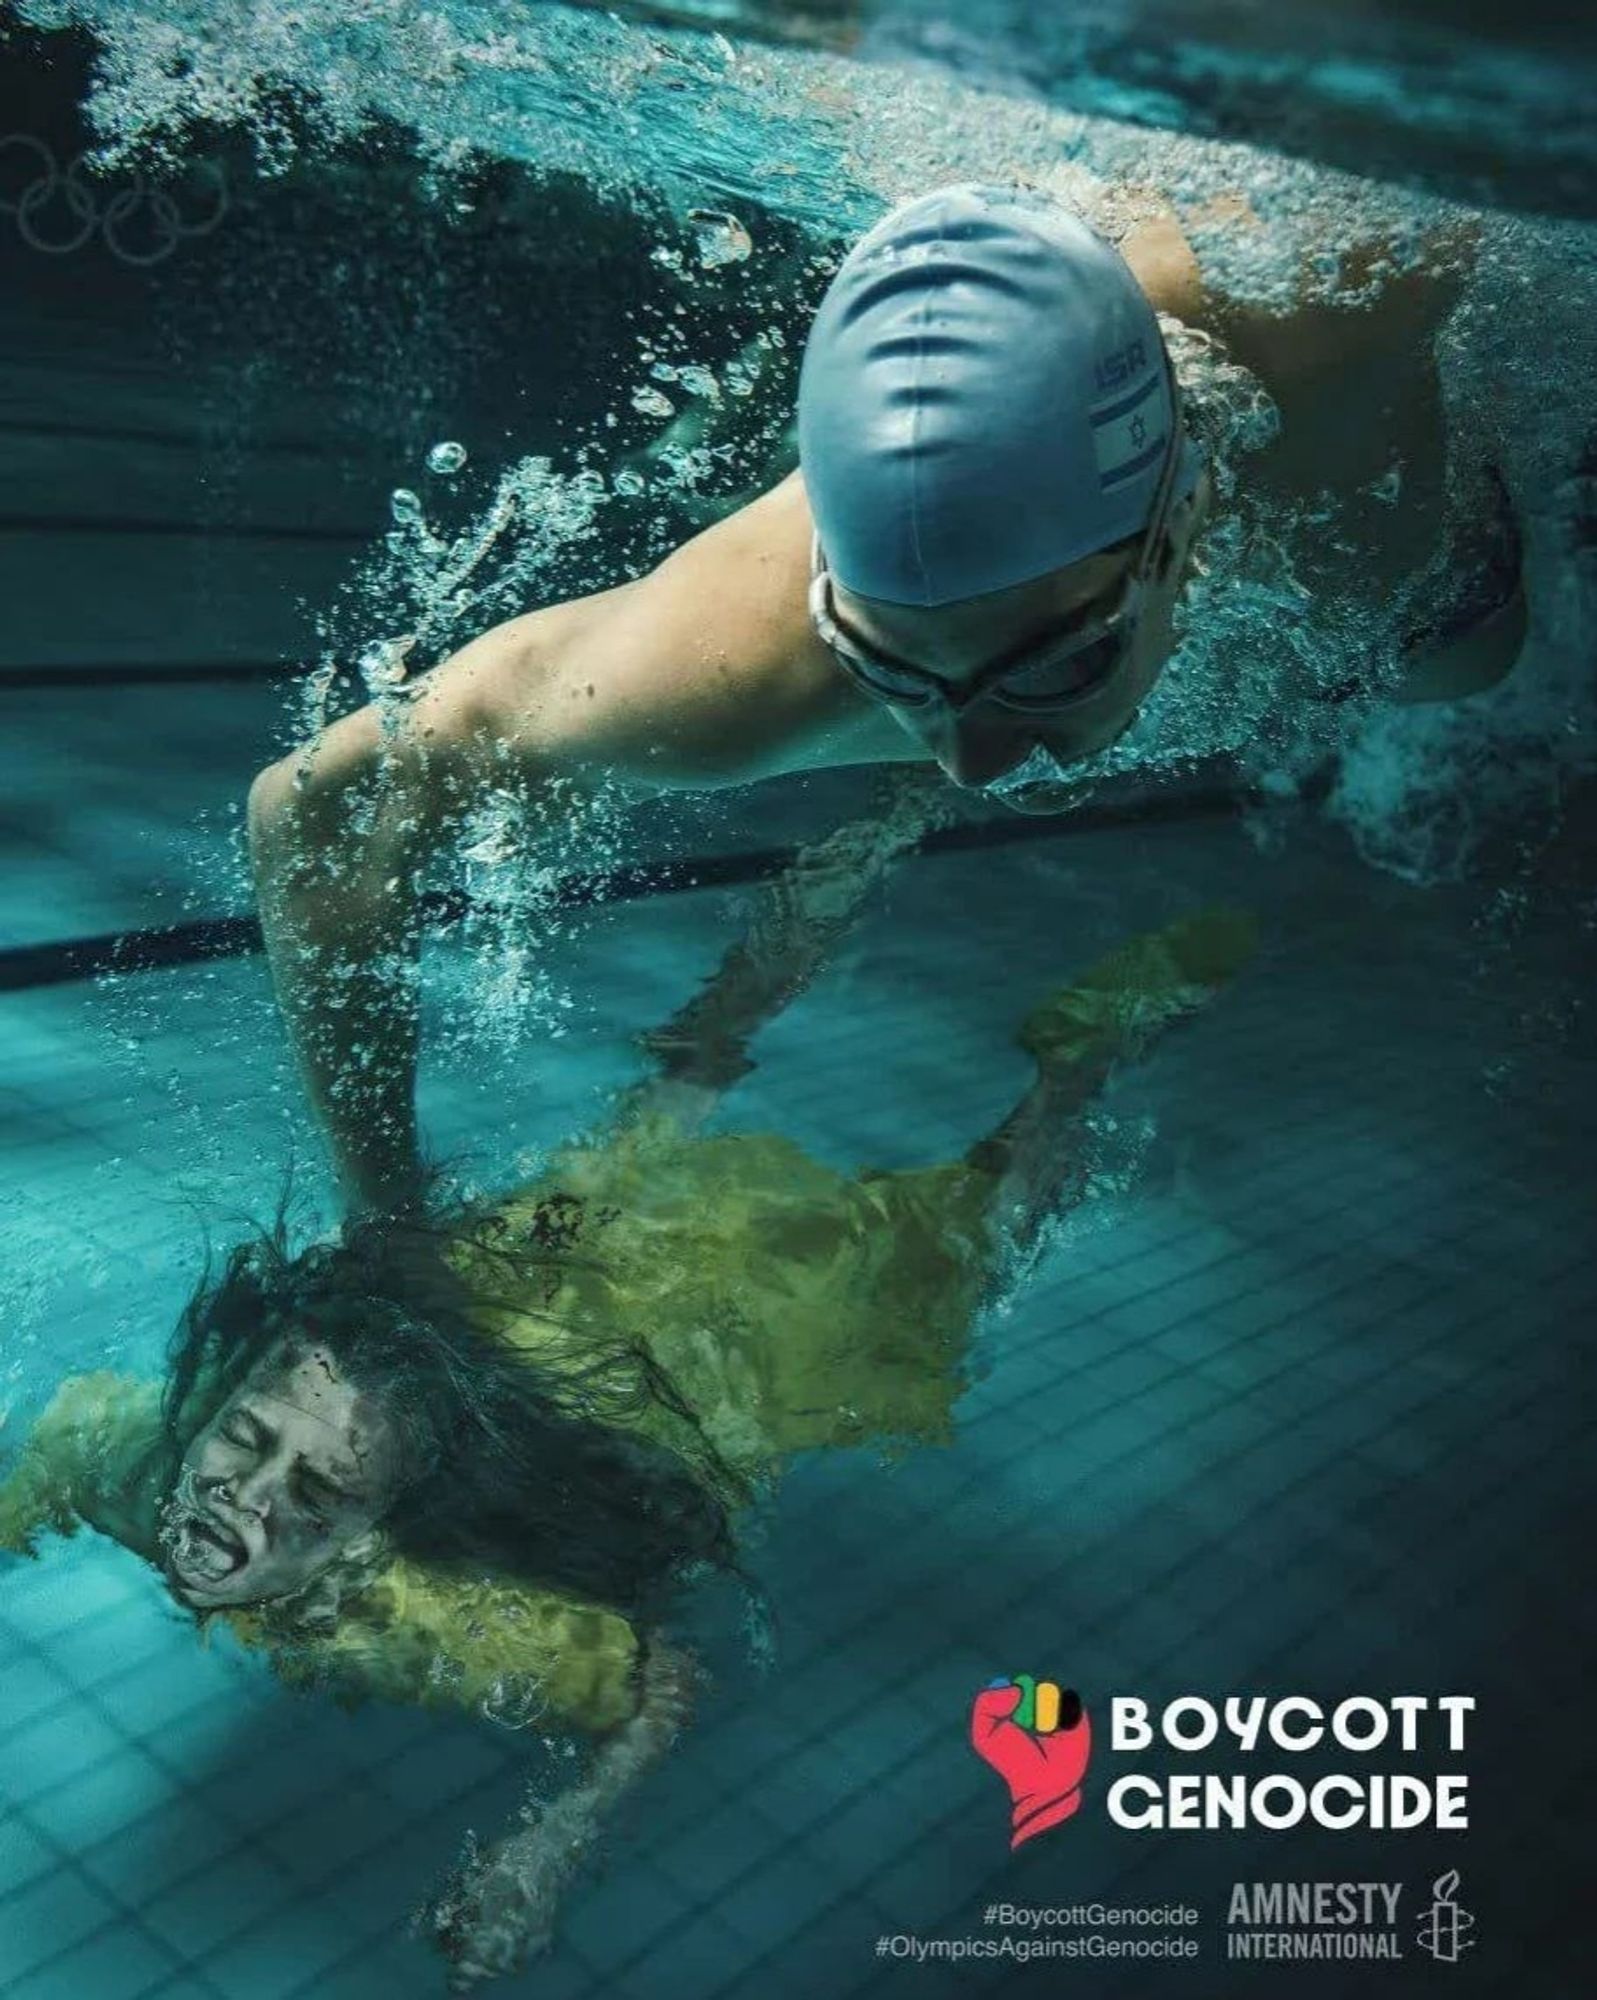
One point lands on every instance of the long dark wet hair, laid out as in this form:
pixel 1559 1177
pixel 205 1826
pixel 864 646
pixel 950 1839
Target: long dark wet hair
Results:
pixel 514 1463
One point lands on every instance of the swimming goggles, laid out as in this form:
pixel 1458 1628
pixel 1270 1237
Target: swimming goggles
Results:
pixel 1042 680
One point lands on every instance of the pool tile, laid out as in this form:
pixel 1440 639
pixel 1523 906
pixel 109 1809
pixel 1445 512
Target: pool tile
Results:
pixel 48 1917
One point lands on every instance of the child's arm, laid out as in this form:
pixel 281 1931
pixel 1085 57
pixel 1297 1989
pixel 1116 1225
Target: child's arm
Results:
pixel 523 1656
pixel 38 1493
pixel 1108 1015
pixel 82 1462
pixel 500 1906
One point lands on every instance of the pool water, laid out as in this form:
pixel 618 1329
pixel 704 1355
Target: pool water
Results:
pixel 1295 1409
pixel 1291 1404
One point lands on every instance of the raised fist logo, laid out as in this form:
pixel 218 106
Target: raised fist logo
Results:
pixel 1038 1741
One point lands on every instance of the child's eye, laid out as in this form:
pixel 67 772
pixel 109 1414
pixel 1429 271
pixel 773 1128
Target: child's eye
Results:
pixel 316 1499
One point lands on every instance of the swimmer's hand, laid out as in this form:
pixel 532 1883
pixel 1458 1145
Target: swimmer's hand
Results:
pixel 499 1906
pixel 407 1257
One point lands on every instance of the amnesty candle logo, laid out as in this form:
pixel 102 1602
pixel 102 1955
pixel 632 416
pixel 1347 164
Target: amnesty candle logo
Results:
pixel 1317 1920
pixel 1293 1920
pixel 1443 1925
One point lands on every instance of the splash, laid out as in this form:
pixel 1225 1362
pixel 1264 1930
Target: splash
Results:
pixel 521 849
pixel 714 142
pixel 668 116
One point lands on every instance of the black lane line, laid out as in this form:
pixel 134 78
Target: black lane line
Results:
pixel 25 967
pixel 110 673
pixel 226 531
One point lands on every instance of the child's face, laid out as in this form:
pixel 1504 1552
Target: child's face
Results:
pixel 292 1468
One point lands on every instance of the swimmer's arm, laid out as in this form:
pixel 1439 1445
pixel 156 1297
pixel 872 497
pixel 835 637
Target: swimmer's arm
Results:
pixel 1165 265
pixel 342 834
pixel 1471 662
pixel 696 675
pixel 501 1907
pixel 1473 639
pixel 796 923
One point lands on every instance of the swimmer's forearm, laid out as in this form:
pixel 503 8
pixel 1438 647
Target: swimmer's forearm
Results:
pixel 797 922
pixel 341 835
pixel 340 913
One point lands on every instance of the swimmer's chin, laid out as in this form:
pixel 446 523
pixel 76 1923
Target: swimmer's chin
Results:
pixel 1042 801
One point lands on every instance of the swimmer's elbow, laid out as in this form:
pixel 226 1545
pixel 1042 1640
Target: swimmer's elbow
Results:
pixel 373 795
pixel 348 802
pixel 266 816
pixel 278 831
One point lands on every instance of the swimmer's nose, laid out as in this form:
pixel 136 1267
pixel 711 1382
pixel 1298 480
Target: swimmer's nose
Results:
pixel 973 754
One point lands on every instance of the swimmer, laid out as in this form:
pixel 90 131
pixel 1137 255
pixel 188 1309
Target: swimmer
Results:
pixel 976 565
pixel 465 1466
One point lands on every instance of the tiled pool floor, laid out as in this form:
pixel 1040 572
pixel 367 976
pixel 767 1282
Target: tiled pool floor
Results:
pixel 1297 1412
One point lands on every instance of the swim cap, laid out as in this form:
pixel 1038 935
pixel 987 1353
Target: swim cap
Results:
pixel 983 399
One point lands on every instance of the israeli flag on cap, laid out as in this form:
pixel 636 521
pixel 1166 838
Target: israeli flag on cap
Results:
pixel 1128 432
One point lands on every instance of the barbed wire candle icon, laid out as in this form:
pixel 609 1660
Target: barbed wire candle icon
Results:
pixel 1442 1930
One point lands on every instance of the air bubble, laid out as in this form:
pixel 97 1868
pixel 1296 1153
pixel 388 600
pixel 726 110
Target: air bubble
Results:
pixel 721 239
pixel 1388 487
pixel 650 403
pixel 446 457
pixel 405 507
pixel 515 1702
pixel 382 666
pixel 631 482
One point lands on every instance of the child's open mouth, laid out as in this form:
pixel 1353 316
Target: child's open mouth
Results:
pixel 203 1551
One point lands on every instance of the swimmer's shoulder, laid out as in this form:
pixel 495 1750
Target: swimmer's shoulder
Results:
pixel 1387 299
pixel 1165 264
pixel 706 671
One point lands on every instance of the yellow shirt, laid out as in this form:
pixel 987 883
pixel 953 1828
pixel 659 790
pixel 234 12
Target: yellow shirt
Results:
pixel 792 1307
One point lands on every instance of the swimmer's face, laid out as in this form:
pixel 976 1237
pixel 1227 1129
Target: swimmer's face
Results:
pixel 987 741
pixel 294 1466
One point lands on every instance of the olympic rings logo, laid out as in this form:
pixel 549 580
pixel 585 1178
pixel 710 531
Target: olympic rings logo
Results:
pixel 61 208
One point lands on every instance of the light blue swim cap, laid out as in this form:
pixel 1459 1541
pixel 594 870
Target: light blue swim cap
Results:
pixel 983 399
